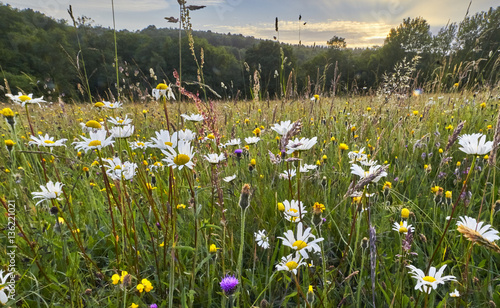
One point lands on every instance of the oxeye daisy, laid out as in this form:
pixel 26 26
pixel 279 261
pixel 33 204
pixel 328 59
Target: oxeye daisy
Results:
pixel 357 170
pixel 288 174
pixel 163 140
pixel 215 158
pixel 302 243
pixel 262 239
pixel 122 131
pixel 46 141
pixel 478 232
pixel 302 144
pixel 186 135
pixel 283 127
pixel 118 170
pixel 290 263
pixel 475 144
pixel 230 178
pixel 91 126
pixel 119 121
pixel 163 90
pixel 50 191
pixel 180 158
pixel 22 99
pixel 193 117
pixel 235 142
pixel 114 105
pixel 138 145
pixel 293 210
pixel 426 283
pixel 252 140
pixel 306 168
pixel 402 227
pixel 5 287
pixel 97 141
pixel 455 293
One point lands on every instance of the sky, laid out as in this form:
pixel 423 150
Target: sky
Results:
pixel 363 23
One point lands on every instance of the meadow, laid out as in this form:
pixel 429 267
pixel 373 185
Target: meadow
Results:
pixel 356 201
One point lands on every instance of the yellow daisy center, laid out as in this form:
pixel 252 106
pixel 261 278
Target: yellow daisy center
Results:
pixel 49 141
pixel 94 143
pixel 293 210
pixel 162 86
pixel 181 159
pixel 291 265
pixel 299 244
pixel 140 144
pixel 168 143
pixel 403 230
pixel 111 105
pixel 429 279
pixel 93 124
pixel 99 104
pixel 24 98
pixel 118 167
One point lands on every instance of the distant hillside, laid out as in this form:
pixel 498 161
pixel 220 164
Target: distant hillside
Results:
pixel 51 58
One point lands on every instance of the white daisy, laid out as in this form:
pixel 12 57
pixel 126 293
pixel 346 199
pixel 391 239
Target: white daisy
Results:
pixel 282 128
pixel 294 210
pixel 163 90
pixel 163 140
pixel 180 158
pixel 46 141
pixel 357 170
pixel 301 144
pixel 25 99
pixel 431 281
pixel 252 140
pixel 475 144
pixel 114 105
pixel 119 121
pixel 262 239
pixel 50 191
pixel 118 170
pixel 4 298
pixel 306 168
pixel 402 227
pixel 290 263
pixel 186 135
pixel 236 142
pixel 92 126
pixel 138 145
pixel 193 117
pixel 230 178
pixel 215 158
pixel 302 243
pixel 96 141
pixel 455 293
pixel 484 230
pixel 157 165
pixel 122 131
pixel 357 156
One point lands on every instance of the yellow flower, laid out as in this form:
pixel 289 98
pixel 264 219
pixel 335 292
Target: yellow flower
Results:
pixel 387 185
pixel 483 105
pixel 458 164
pixel 115 278
pixel 449 127
pixel 318 163
pixel 435 189
pixel 343 146
pixel 162 244
pixel 281 207
pixel 447 194
pixel 140 287
pixel 415 112
pixel 181 206
pixel 405 213
pixel 455 85
pixel 247 121
pixel 318 208
pixel 247 147
pixel 316 96
pixel 486 157
pixel 324 157
pixel 440 151
pixel 134 305
pixel 85 169
pixel 9 143
pixel 213 248
pixel 99 104
pixel 489 126
pixel 332 139
pixel 253 162
pixel 353 129
pixel 256 132
pixel 211 136
pixel 7 112
pixel 161 86
pixel 368 109
pixel 124 273
pixel 144 111
pixel 93 124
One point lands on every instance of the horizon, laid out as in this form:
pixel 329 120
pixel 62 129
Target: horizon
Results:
pixel 364 24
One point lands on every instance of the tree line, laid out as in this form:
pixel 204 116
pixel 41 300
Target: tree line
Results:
pixel 53 58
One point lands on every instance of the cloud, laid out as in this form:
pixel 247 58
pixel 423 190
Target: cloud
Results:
pixel 356 33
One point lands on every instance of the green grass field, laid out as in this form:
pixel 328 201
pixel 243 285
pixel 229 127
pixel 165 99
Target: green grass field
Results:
pixel 145 234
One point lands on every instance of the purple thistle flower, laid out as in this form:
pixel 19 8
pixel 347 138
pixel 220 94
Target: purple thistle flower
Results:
pixel 238 152
pixel 228 284
pixel 153 306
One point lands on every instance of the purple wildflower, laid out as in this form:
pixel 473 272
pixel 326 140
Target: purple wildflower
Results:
pixel 228 284
pixel 153 306
pixel 238 152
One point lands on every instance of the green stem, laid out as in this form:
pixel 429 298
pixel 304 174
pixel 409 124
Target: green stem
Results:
pixel 240 255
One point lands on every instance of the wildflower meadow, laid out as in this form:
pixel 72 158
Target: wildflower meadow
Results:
pixel 386 198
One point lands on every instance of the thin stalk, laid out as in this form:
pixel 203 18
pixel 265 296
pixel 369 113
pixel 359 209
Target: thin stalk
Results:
pixel 116 51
